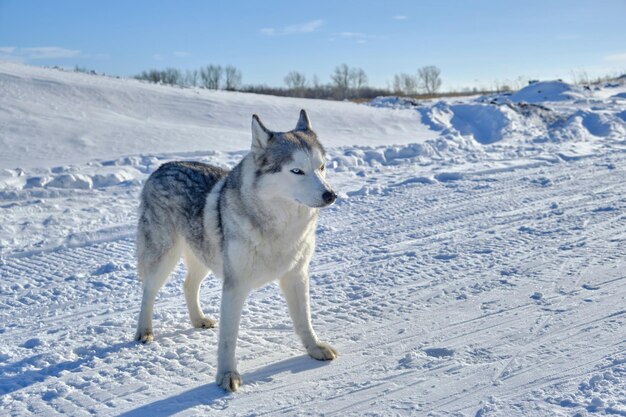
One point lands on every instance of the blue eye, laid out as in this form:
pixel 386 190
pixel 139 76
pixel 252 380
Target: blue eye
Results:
pixel 297 171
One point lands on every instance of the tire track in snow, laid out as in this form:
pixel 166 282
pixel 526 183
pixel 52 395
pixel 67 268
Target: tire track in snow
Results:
pixel 356 268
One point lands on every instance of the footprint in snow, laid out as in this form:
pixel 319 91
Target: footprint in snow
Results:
pixel 590 287
pixel 439 352
pixel 445 256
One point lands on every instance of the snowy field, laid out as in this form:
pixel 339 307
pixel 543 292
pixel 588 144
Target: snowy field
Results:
pixel 475 264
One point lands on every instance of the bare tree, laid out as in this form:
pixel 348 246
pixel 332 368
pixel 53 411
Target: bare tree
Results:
pixel 317 89
pixel 211 76
pixel 405 84
pixel 358 80
pixel 295 80
pixel 172 76
pixel 316 82
pixel 151 76
pixel 341 80
pixel 429 79
pixel 232 79
pixel 191 78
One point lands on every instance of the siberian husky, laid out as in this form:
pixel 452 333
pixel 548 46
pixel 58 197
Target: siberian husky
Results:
pixel 250 226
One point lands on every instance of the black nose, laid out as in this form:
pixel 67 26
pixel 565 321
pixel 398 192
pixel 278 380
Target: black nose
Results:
pixel 329 197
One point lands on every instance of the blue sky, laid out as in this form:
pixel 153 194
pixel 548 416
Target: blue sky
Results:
pixel 474 43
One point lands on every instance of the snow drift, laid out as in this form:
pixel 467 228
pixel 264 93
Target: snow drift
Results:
pixel 547 112
pixel 546 91
pixel 53 118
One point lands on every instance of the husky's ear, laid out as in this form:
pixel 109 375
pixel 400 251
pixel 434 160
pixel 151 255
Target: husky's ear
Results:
pixel 260 135
pixel 303 122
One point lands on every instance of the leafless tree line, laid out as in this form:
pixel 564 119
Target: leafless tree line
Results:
pixel 427 80
pixel 212 77
pixel 350 83
pixel 345 82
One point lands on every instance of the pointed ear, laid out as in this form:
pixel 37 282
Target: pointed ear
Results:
pixel 303 122
pixel 260 135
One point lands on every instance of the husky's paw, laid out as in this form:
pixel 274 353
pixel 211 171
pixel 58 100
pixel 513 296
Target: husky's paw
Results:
pixel 322 352
pixel 229 381
pixel 203 323
pixel 144 336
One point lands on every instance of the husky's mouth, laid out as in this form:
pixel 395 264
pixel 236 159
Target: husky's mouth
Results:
pixel 322 205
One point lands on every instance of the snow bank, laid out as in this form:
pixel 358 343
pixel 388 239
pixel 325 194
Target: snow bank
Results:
pixel 85 177
pixel 543 91
pixel 101 132
pixel 483 122
pixel 53 118
pixel 544 112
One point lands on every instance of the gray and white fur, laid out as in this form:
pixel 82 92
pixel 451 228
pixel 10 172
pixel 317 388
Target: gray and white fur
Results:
pixel 250 226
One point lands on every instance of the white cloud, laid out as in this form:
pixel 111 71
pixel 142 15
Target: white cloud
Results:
pixel 618 58
pixel 307 27
pixel 39 52
pixel 158 57
pixel 182 54
pixel 399 17
pixel 352 35
pixel 7 54
pixel 49 52
pixel 358 37
pixel 268 31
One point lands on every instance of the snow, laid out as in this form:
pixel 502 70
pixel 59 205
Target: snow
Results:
pixel 51 118
pixel 473 265
pixel 543 91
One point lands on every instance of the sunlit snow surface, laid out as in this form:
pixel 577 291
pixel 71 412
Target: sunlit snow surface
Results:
pixel 473 266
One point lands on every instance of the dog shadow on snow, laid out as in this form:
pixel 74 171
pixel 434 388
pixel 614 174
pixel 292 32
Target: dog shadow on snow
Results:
pixel 26 372
pixel 215 397
pixel 16 376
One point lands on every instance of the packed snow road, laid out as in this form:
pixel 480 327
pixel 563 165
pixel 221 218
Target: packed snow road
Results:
pixel 495 293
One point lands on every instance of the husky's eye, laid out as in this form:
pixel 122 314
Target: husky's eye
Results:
pixel 297 171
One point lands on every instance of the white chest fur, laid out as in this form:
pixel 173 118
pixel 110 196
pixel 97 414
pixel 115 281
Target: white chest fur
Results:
pixel 263 255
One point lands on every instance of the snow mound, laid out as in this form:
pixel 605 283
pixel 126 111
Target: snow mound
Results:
pixel 50 118
pixel 71 177
pixel 484 122
pixel 443 148
pixel 602 124
pixel 521 118
pixel 487 123
pixel 543 91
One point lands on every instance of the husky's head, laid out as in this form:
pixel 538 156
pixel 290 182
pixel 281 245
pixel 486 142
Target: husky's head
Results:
pixel 291 165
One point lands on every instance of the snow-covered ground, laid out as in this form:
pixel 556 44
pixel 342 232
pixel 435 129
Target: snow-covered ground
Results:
pixel 474 266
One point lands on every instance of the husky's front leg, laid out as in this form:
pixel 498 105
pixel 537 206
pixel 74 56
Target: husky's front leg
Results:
pixel 234 295
pixel 295 287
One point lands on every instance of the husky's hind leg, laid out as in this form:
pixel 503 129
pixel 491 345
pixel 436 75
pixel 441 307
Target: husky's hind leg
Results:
pixel 155 263
pixel 196 272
